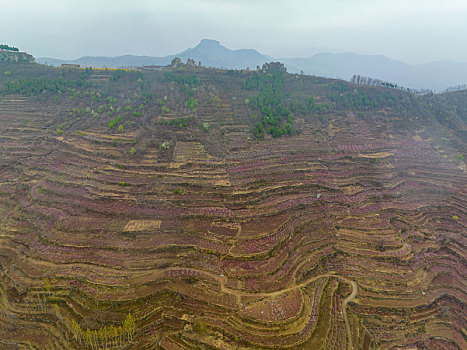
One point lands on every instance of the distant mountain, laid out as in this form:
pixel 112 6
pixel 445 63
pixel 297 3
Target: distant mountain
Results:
pixel 212 54
pixel 435 76
pixel 110 62
pixel 209 52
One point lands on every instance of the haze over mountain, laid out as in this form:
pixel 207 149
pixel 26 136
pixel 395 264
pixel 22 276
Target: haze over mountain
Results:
pixel 435 76
pixel 209 52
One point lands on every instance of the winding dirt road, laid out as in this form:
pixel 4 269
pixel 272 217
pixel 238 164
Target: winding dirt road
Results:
pixel 344 312
pixel 351 297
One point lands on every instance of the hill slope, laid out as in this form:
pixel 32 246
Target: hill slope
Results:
pixel 139 211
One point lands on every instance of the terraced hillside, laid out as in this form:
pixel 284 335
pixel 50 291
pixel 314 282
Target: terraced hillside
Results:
pixel 139 211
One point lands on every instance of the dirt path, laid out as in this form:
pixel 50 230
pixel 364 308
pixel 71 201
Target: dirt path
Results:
pixel 351 297
pixel 344 312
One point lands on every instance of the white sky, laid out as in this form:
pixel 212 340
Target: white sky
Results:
pixel 410 30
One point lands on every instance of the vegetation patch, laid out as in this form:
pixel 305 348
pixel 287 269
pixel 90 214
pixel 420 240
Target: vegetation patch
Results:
pixel 270 101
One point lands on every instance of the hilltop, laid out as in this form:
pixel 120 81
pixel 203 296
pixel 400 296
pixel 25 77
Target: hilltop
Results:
pixel 195 208
pixel 9 54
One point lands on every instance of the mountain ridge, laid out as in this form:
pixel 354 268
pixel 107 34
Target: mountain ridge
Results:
pixel 435 76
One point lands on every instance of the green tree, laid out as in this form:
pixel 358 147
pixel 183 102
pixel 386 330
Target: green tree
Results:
pixel 270 100
pixel 9 48
pixel 129 326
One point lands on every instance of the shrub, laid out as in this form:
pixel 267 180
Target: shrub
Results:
pixel 192 104
pixel 132 150
pixel 113 122
pixel 123 183
pixel 200 327
pixel 259 130
pixel 120 128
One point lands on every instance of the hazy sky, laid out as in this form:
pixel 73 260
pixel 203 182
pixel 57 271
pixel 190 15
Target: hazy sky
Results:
pixel 410 30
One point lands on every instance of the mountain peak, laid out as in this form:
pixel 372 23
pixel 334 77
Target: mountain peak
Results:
pixel 208 43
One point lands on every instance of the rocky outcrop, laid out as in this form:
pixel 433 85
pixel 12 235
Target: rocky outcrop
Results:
pixel 16 57
pixel 191 63
pixel 176 62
